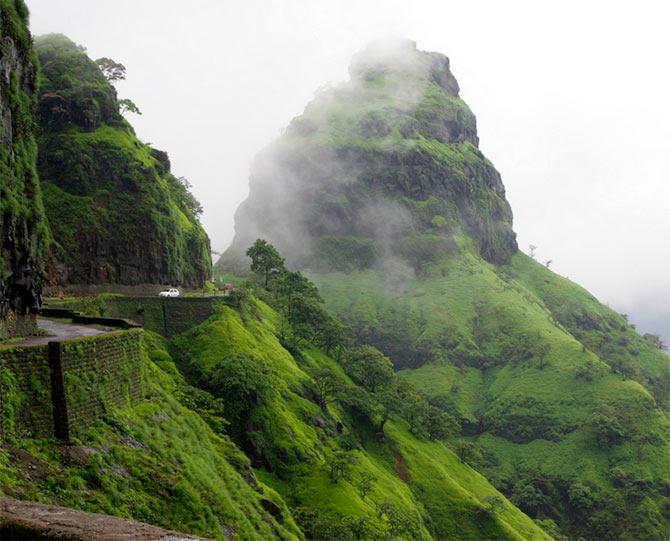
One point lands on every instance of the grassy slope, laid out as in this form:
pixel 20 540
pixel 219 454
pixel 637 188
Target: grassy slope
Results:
pixel 441 494
pixel 599 328
pixel 157 462
pixel 483 331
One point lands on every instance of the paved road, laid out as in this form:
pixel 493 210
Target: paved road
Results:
pixel 59 330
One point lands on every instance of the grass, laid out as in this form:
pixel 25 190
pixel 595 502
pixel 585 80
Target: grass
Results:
pixel 304 442
pixel 502 349
pixel 155 461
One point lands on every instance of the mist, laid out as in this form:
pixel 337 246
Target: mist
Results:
pixel 571 106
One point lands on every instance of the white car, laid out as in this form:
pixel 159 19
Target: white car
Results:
pixel 172 292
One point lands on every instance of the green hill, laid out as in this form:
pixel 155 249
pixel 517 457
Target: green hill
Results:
pixel 379 191
pixel 116 212
pixel 418 488
pixel 567 430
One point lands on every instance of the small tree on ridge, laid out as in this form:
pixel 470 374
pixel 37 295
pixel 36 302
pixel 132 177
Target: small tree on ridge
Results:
pixel 265 260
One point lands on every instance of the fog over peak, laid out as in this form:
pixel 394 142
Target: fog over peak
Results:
pixel 570 101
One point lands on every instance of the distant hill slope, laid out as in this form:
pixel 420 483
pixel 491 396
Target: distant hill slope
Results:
pixel 116 212
pixel 23 230
pixel 379 190
pixel 561 396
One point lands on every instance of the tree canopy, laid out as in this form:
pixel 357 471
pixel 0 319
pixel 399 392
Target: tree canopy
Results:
pixel 112 70
pixel 265 260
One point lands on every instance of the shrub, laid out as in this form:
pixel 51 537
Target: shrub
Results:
pixel 369 367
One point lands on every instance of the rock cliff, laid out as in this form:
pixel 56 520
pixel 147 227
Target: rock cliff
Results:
pixel 117 213
pixel 381 171
pixel 23 232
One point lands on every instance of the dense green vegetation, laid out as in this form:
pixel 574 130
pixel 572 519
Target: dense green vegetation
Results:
pixel 277 439
pixel 23 230
pixel 92 165
pixel 356 452
pixel 565 405
pixel 421 380
pixel 157 461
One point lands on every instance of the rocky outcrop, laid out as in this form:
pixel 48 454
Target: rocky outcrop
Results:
pixel 117 213
pixel 382 171
pixel 23 231
pixel 30 520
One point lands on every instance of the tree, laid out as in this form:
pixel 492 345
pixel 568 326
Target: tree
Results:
pixel 128 106
pixel 359 528
pixel 390 403
pixel 547 262
pixel 541 351
pixel 340 466
pixel 532 248
pixel 606 428
pixel 361 403
pixel 332 337
pixel 491 505
pixel 439 424
pixel 365 483
pixel 295 289
pixel 326 384
pixel 242 381
pixel 398 524
pixel 528 497
pixel 416 411
pixel 369 367
pixel 587 371
pixel 466 451
pixel 113 71
pixel 581 498
pixel 186 198
pixel 655 340
pixel 265 260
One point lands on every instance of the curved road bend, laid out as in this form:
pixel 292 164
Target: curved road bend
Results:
pixel 59 330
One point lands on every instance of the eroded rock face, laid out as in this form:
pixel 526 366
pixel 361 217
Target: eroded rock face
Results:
pixel 22 226
pixel 30 520
pixel 383 171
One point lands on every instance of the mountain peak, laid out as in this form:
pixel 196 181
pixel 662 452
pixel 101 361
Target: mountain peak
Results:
pixel 380 170
pixel 400 57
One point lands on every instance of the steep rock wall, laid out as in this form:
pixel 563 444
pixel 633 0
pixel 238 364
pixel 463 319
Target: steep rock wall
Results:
pixel 23 232
pixel 117 213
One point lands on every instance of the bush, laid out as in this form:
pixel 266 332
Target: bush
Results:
pixel 369 367
pixel 605 427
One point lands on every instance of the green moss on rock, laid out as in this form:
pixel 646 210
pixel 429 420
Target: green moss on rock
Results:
pixel 23 229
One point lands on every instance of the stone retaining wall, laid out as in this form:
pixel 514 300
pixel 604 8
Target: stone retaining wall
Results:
pixel 58 389
pixel 165 316
pixel 13 325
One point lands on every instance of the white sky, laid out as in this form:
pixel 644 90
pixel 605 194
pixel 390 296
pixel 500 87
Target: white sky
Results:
pixel 571 100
